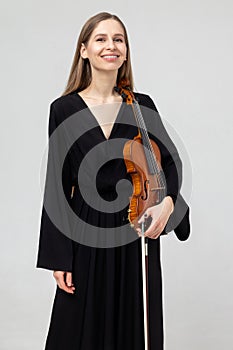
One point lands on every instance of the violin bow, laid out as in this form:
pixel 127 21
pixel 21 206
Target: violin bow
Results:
pixel 144 247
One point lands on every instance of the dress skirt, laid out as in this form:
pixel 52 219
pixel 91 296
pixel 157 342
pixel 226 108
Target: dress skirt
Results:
pixel 106 310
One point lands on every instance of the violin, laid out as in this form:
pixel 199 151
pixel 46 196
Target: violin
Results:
pixel 143 162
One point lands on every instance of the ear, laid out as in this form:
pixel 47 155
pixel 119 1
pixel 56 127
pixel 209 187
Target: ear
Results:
pixel 83 51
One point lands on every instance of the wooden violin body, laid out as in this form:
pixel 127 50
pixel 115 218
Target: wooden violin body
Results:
pixel 146 187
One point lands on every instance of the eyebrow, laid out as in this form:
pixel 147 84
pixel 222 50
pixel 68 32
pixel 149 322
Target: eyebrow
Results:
pixel 106 34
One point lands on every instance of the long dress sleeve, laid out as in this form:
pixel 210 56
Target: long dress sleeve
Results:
pixel 55 251
pixel 172 167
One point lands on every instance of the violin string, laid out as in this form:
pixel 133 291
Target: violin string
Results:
pixel 160 173
pixel 147 144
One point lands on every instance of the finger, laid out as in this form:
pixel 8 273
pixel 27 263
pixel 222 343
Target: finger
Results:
pixel 151 234
pixel 157 232
pixel 153 230
pixel 156 236
pixel 138 232
pixel 59 276
pixel 155 226
pixel 143 217
pixel 61 283
pixel 69 279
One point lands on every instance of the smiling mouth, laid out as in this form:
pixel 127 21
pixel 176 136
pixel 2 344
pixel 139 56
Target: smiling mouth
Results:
pixel 110 56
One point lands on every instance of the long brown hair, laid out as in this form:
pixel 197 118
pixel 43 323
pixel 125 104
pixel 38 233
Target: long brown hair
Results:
pixel 80 73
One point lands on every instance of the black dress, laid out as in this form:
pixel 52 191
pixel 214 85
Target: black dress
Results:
pixel 106 310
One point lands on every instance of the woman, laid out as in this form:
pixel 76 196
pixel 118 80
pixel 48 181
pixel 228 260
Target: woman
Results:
pixel 98 302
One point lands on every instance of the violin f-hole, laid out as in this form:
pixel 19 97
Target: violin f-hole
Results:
pixel 145 190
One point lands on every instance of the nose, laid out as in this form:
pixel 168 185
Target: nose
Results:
pixel 110 44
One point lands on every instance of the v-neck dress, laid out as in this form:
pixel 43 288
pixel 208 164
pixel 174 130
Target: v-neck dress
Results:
pixel 106 310
pixel 114 123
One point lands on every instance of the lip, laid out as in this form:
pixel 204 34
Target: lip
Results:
pixel 112 54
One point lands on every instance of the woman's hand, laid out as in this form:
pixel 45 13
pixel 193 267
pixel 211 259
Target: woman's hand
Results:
pixel 160 214
pixel 64 281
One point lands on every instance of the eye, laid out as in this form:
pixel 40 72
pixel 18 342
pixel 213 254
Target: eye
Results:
pixel 100 39
pixel 119 40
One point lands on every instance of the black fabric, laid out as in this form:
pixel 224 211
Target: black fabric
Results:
pixel 106 310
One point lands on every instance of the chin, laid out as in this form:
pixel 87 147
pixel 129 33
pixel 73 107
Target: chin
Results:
pixel 113 65
pixel 109 68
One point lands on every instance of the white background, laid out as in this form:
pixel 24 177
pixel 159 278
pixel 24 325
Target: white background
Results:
pixel 182 57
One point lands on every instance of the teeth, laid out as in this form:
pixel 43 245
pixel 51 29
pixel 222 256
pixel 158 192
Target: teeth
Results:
pixel 109 56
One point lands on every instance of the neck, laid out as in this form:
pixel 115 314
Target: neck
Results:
pixel 102 86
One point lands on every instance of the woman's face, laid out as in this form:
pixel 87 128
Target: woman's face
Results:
pixel 106 48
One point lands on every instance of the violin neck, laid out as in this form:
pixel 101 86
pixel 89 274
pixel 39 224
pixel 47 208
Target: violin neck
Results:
pixel 149 152
pixel 152 163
